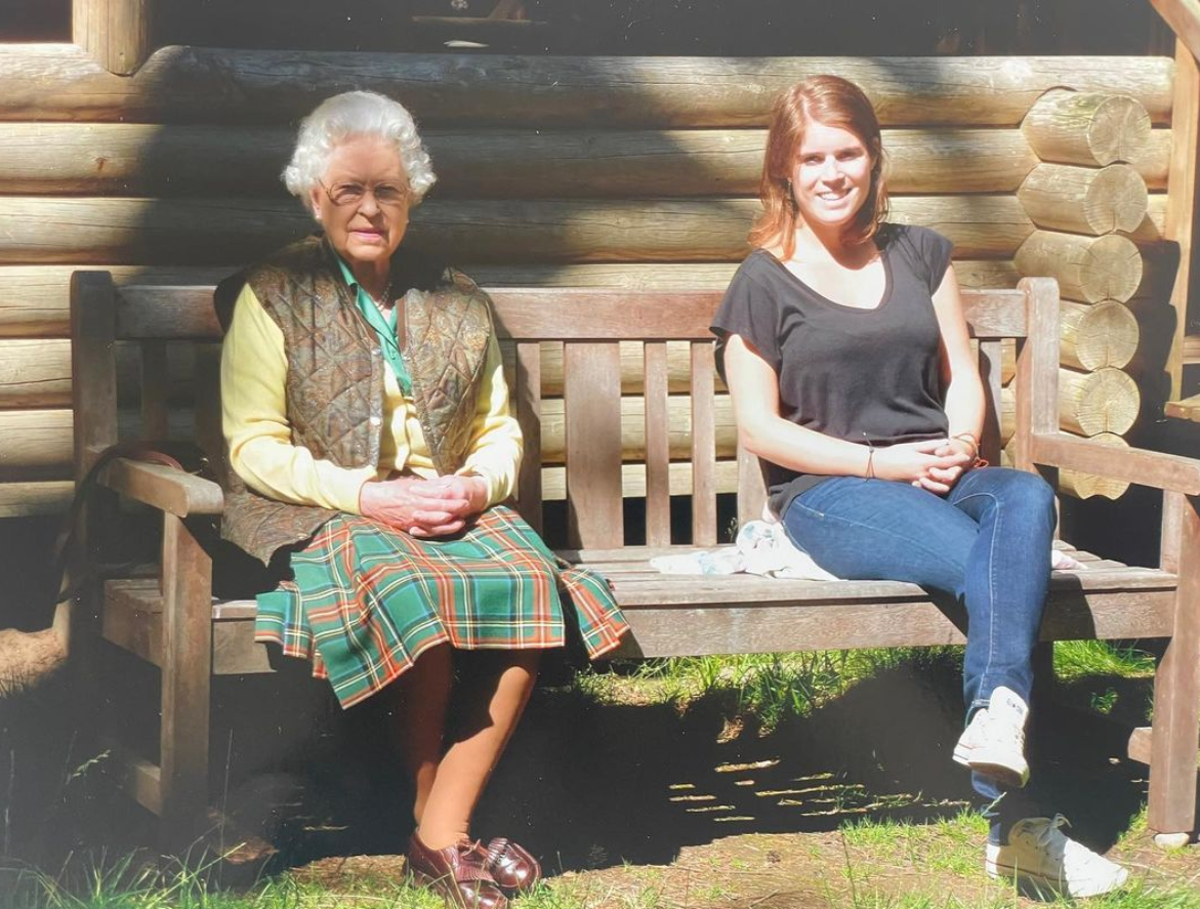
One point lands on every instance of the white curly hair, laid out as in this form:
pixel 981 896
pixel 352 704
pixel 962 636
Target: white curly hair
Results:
pixel 353 114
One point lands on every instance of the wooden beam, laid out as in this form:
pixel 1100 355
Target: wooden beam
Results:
pixel 197 231
pixel 116 33
pixel 1181 202
pixel 1184 18
pixel 193 84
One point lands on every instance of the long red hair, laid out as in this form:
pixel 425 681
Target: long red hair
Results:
pixel 833 101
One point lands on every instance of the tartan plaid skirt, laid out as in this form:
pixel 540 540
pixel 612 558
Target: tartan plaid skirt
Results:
pixel 366 601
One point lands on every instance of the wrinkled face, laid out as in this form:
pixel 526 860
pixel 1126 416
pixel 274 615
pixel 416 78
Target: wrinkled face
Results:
pixel 832 178
pixel 363 198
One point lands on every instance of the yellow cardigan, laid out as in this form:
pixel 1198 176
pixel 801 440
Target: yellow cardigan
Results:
pixel 254 415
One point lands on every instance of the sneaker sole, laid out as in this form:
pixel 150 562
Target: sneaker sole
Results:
pixel 1010 774
pixel 1039 885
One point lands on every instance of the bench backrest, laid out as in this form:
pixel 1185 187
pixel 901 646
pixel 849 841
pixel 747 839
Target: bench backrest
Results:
pixel 616 392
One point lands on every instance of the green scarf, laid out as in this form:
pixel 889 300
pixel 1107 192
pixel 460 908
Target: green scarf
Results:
pixel 385 327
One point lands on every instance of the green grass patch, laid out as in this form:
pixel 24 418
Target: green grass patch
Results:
pixel 769 687
pixel 952 844
pixel 127 883
pixel 1083 659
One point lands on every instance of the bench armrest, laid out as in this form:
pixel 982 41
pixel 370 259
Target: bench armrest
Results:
pixel 164 488
pixel 1171 473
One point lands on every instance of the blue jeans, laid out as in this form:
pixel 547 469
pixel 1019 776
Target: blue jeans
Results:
pixel 987 543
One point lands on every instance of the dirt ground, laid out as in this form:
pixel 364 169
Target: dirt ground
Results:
pixel 640 806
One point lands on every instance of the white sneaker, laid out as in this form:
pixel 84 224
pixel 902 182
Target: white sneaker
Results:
pixel 994 742
pixel 1041 857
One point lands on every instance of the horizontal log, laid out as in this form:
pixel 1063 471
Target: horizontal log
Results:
pixel 37 445
pixel 129 159
pixel 633 480
pixel 47 230
pixel 1090 269
pixel 1068 402
pixel 1099 335
pixel 632 368
pixel 35 373
pixel 1090 485
pixel 1092 129
pixel 633 429
pixel 1085 200
pixel 36 460
pixel 33 298
pixel 192 84
pixel 1153 228
pixel 1155 165
pixel 1107 400
pixel 22 500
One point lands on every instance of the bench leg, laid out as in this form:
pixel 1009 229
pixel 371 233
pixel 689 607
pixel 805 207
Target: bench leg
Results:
pixel 186 683
pixel 1176 734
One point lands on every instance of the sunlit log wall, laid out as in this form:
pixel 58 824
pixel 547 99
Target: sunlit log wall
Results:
pixel 601 171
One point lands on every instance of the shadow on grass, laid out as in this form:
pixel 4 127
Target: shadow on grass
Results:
pixel 587 785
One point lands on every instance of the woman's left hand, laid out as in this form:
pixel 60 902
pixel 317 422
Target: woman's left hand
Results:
pixel 465 497
pixel 940 480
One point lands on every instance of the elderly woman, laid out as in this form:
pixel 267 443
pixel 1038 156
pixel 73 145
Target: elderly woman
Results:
pixel 369 436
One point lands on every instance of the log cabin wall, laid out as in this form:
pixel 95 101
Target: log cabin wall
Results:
pixel 596 171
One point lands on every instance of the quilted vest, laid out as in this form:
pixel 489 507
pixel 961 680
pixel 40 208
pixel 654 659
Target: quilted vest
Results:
pixel 335 387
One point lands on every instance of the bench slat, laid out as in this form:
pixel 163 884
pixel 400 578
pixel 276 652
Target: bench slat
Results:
pixel 990 355
pixel 527 398
pixel 658 455
pixel 155 384
pixel 704 446
pixel 592 396
pixel 780 628
pixel 543 313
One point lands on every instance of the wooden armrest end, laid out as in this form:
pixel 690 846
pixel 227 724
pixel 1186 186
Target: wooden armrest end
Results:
pixel 164 488
pixel 1168 472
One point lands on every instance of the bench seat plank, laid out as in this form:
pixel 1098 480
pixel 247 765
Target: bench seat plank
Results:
pixel 682 615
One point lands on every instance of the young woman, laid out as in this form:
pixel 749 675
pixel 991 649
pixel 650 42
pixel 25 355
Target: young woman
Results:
pixel 843 342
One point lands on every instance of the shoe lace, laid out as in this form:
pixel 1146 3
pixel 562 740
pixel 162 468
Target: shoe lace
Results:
pixel 1051 838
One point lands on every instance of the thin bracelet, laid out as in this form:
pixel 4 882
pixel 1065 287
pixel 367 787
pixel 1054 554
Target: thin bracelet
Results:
pixel 970 438
pixel 870 472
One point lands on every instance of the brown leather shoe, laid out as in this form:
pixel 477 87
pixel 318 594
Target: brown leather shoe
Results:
pixel 512 866
pixel 457 873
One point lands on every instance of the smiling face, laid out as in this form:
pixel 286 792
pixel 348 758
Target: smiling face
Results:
pixel 832 177
pixel 363 202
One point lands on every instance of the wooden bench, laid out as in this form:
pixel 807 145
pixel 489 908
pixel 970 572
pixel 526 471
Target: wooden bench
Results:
pixel 573 339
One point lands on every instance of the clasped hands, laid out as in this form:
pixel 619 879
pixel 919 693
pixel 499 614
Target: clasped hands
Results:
pixel 424 508
pixel 935 464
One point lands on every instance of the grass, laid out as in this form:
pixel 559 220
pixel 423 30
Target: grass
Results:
pixel 772 687
pixel 127 884
pixel 879 864
pixel 1074 660
pixel 769 687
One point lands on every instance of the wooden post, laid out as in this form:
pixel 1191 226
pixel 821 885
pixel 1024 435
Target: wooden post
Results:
pixel 186 680
pixel 1172 801
pixel 1181 202
pixel 115 32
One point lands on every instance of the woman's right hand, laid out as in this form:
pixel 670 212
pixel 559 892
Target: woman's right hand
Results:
pixel 419 507
pixel 911 462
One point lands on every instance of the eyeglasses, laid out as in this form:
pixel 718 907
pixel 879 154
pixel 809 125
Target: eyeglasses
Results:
pixel 389 195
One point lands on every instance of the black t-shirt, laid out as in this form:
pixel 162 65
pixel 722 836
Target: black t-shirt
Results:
pixel 861 375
